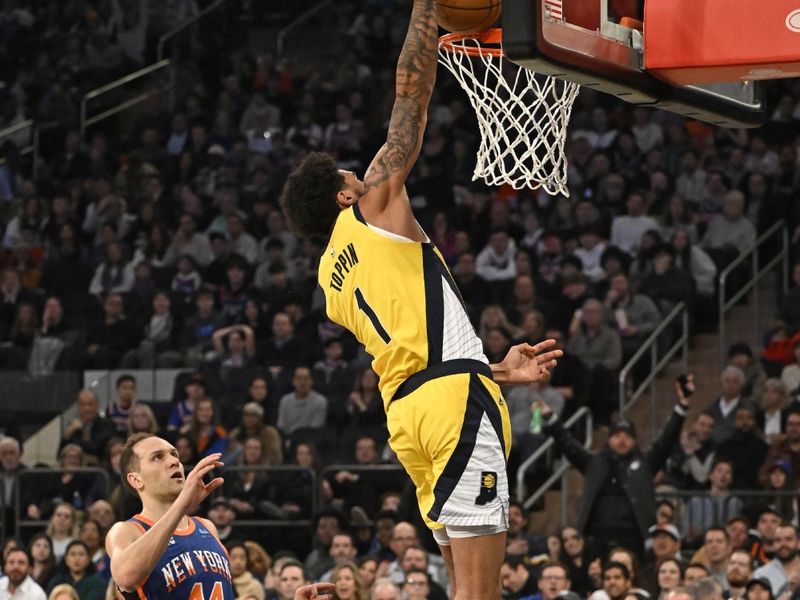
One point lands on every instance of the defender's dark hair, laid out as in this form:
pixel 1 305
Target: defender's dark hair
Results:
pixel 309 196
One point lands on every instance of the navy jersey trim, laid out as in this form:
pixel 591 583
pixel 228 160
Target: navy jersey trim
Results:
pixel 479 401
pixel 357 214
pixel 434 304
pixel 443 369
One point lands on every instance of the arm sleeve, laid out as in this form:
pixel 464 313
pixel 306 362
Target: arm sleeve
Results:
pixel 575 453
pixel 664 444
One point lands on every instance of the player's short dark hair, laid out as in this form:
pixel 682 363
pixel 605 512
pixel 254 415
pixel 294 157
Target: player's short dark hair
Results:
pixel 308 199
pixel 129 461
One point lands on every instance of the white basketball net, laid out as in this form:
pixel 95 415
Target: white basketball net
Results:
pixel 522 116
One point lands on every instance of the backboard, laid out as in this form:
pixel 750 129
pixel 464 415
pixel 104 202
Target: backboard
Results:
pixel 582 41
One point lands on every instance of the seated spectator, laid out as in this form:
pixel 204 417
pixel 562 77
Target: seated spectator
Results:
pixel 740 355
pixel 20 338
pixel 209 437
pixel 187 281
pixel 665 544
pixel 590 251
pixel 787 448
pixel 691 461
pixel 519 539
pixel 635 316
pixel 181 415
pixel 241 242
pixel 158 348
pixel 520 400
pixel 715 553
pixel 252 425
pixel 600 348
pixel 17 581
pixel 90 431
pixel 259 562
pixel 142 420
pixel 703 512
pixel 233 293
pixel 627 230
pixel 737 574
pixel 78 571
pixel 364 406
pixel 495 263
pixel 94 536
pixel 114 275
pixel 283 350
pixel 472 286
pixel 302 408
pixel 667 284
pixel 732 382
pixel 779 491
pixel 189 241
pixel 669 575
pixel 730 233
pixel 385 589
pixel 737 528
pixel 245 584
pixel 404 536
pixel 790 375
pixel 11 467
pixel 361 489
pixel 43 562
pixel 692 259
pixel 110 337
pixel 332 375
pixel 342 551
pixel 119 410
pixel 761 540
pixel 577 556
pixel 196 339
pixel 617 581
pixel 222 515
pixel 745 448
pixel 525 300
pixel 252 493
pixel 417 586
pixel 516 578
pixel 786 561
pixel 326 524
pixel 772 416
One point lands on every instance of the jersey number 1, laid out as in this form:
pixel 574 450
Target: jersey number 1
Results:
pixel 367 310
pixel 216 592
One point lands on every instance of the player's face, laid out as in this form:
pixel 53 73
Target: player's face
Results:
pixel 352 185
pixel 160 471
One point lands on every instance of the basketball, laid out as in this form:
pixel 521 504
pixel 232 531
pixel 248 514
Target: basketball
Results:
pixel 467 16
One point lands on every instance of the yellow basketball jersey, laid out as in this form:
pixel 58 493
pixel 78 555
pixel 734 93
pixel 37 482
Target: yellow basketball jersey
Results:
pixel 397 297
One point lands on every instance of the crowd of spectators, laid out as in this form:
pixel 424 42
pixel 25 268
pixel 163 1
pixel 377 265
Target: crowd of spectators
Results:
pixel 162 245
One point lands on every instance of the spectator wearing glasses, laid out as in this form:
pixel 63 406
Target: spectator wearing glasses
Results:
pixel 553 582
pixel 417 585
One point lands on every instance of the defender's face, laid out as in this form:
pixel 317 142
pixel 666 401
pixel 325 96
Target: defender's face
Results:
pixel 160 471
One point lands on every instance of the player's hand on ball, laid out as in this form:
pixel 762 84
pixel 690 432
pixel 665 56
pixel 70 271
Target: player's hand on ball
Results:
pixel 315 591
pixel 526 364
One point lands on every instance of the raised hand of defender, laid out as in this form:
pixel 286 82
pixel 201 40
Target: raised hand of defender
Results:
pixel 195 490
pixel 525 363
pixel 315 591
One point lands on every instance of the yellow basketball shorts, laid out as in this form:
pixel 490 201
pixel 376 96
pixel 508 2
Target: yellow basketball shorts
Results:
pixel 450 429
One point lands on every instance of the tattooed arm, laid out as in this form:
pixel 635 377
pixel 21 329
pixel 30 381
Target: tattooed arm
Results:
pixel 416 74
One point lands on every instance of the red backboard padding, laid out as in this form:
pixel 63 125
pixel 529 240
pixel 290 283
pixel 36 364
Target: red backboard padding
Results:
pixel 709 41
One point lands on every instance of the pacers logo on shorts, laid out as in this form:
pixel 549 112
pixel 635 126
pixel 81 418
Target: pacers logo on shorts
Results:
pixel 488 488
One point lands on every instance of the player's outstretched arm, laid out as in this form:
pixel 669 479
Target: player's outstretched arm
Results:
pixel 415 78
pixel 526 364
pixel 133 554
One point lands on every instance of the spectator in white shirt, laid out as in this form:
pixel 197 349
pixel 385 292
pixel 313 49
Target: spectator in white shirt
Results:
pixel 590 252
pixel 17 583
pixel 790 376
pixel 731 228
pixel 189 241
pixel 627 230
pixel 496 260
pixel 691 183
pixel 241 242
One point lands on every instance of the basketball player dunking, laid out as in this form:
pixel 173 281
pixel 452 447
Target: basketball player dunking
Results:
pixel 386 283
pixel 163 553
